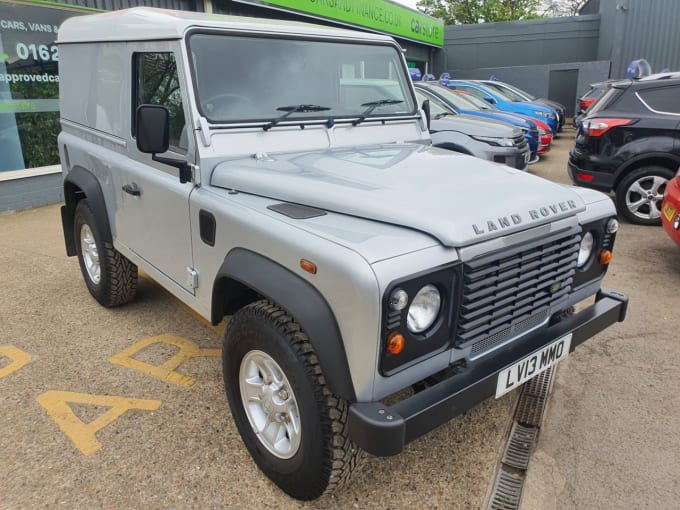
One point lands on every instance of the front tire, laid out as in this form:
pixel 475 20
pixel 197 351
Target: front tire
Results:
pixel 294 428
pixel 640 193
pixel 110 277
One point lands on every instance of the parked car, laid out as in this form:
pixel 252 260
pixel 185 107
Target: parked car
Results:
pixel 353 259
pixel 483 138
pixel 586 100
pixel 670 210
pixel 517 94
pixel 484 110
pixel 544 132
pixel 503 102
pixel 545 139
pixel 629 143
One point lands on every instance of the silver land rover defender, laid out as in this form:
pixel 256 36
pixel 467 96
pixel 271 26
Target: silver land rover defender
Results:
pixel 283 174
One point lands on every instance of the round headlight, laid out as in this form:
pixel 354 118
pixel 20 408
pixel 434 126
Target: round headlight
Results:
pixel 424 309
pixel 585 249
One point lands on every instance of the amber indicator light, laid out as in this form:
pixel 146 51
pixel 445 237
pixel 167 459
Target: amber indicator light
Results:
pixel 605 257
pixel 395 342
pixel 308 266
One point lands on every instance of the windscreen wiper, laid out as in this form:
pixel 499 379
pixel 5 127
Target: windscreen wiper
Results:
pixel 298 108
pixel 442 114
pixel 372 106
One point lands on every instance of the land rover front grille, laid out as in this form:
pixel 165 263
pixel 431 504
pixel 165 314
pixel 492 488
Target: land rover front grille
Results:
pixel 508 293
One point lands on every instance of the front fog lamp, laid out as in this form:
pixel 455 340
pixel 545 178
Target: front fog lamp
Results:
pixel 398 300
pixel 612 226
pixel 424 309
pixel 585 249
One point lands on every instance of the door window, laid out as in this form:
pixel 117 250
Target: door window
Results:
pixel 156 82
pixel 663 99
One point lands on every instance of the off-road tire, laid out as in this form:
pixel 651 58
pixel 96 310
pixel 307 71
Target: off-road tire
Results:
pixel 326 457
pixel 118 277
pixel 649 214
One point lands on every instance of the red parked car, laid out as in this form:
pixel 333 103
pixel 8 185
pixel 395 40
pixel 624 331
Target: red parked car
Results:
pixel 670 209
pixel 545 136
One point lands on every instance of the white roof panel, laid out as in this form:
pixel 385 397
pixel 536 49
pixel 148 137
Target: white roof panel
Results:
pixel 147 23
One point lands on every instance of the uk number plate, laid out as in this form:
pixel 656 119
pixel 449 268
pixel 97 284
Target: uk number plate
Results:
pixel 532 365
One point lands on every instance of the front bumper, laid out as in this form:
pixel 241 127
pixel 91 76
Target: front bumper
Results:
pixel 670 210
pixel 600 181
pixel 384 430
pixel 514 157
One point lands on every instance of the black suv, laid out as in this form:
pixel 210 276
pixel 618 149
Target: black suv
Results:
pixel 629 143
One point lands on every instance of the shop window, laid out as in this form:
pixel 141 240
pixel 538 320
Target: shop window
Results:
pixel 29 84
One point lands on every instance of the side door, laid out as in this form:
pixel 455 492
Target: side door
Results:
pixel 153 216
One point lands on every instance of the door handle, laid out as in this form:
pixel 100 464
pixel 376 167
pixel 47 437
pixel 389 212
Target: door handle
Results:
pixel 132 189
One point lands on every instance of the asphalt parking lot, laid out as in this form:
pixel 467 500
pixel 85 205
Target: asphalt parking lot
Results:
pixel 125 408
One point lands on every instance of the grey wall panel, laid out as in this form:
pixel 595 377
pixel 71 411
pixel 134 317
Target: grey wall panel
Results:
pixel 536 79
pixel 633 29
pixel 531 42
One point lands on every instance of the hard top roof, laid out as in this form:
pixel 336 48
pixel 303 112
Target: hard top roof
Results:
pixel 148 23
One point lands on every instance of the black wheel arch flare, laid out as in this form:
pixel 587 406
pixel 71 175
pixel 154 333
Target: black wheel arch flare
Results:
pixel 81 183
pixel 299 298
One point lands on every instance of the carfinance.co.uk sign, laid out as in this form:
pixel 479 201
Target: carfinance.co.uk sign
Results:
pixel 378 15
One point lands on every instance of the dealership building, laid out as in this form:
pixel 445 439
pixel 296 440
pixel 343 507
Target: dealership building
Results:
pixel 550 57
pixel 30 175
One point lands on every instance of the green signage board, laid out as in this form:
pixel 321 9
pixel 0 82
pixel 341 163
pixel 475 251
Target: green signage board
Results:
pixel 378 15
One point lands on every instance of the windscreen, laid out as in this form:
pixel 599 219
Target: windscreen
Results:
pixel 458 101
pixel 438 108
pixel 480 104
pixel 242 78
pixel 507 92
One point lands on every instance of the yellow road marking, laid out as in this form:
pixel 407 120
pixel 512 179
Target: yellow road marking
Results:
pixel 83 434
pixel 19 359
pixel 166 371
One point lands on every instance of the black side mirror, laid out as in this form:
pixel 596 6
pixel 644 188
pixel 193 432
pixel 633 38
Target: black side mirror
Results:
pixel 489 100
pixel 426 109
pixel 153 137
pixel 153 129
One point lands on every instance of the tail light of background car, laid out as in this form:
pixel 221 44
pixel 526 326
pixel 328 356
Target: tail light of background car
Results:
pixel 584 104
pixel 598 127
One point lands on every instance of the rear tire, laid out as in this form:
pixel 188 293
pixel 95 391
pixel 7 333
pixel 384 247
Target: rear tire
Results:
pixel 294 428
pixel 640 193
pixel 110 277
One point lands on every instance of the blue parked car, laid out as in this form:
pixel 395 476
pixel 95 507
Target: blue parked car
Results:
pixel 459 104
pixel 503 102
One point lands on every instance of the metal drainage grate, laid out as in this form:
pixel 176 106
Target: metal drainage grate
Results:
pixel 520 446
pixel 531 403
pixel 507 491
